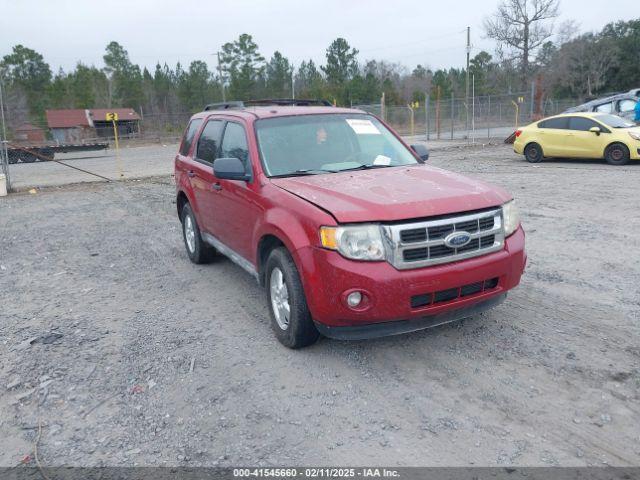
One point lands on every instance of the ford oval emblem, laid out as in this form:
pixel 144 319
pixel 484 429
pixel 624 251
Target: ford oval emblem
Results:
pixel 457 239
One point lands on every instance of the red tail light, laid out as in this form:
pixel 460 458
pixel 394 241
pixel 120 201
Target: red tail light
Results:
pixel 518 133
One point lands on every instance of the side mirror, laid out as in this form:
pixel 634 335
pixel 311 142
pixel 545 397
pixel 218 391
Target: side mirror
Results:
pixel 421 151
pixel 595 130
pixel 230 169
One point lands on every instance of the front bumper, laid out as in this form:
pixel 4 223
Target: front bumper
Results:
pixel 385 329
pixel 389 293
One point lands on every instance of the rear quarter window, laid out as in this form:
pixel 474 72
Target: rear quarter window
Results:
pixel 189 134
pixel 604 108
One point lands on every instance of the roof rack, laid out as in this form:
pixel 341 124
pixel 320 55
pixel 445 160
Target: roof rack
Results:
pixel 224 105
pixel 283 102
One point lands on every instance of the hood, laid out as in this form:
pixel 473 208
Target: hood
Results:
pixel 397 193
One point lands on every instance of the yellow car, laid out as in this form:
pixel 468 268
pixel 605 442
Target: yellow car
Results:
pixel 580 135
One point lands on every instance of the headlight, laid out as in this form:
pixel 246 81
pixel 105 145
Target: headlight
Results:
pixel 511 217
pixel 358 242
pixel 634 135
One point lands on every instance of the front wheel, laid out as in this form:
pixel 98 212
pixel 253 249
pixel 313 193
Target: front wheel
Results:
pixel 616 154
pixel 533 153
pixel 290 317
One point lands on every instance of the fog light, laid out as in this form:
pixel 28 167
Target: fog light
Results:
pixel 354 299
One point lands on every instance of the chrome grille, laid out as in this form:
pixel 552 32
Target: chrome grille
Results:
pixel 420 244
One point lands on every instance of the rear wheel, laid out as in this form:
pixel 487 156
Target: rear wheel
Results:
pixel 28 157
pixel 197 249
pixel 616 154
pixel 290 317
pixel 47 154
pixel 533 153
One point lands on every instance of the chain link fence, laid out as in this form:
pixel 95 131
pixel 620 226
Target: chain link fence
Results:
pixel 491 116
pixel 485 117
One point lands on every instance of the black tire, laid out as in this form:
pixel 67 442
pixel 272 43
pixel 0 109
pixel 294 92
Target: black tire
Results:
pixel 533 153
pixel 617 154
pixel 300 331
pixel 13 156
pixel 47 153
pixel 197 249
pixel 28 157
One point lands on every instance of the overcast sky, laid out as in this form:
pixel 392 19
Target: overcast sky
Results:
pixel 406 31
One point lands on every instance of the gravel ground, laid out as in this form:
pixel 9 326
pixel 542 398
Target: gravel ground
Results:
pixel 124 353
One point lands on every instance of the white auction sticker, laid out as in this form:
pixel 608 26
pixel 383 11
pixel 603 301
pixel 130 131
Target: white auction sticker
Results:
pixel 363 127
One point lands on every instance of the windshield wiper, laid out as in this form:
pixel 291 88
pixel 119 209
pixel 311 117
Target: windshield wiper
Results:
pixel 366 166
pixel 303 172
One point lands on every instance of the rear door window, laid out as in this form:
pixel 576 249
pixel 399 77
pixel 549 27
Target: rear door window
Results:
pixel 209 142
pixel 234 144
pixel 187 140
pixel 561 123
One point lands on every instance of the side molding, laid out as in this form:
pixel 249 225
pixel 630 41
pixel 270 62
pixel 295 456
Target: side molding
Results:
pixel 231 254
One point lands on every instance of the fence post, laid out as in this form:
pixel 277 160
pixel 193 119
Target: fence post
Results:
pixel 533 94
pixel 438 113
pixel 412 122
pixel 489 116
pixel 473 107
pixel 426 110
pixel 453 106
pixel 4 156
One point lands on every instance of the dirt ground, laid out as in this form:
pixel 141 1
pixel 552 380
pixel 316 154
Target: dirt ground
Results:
pixel 125 353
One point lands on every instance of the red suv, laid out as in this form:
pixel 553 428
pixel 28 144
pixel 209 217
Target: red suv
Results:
pixel 351 233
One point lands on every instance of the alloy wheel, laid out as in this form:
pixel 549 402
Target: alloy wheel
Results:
pixel 279 298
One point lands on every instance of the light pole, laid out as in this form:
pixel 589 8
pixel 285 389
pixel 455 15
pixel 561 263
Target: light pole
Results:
pixel 224 96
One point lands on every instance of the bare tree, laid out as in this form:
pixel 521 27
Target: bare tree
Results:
pixel 567 31
pixel 522 26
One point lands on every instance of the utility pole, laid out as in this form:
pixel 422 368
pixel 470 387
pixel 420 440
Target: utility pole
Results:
pixel 224 97
pixel 293 86
pixel 467 81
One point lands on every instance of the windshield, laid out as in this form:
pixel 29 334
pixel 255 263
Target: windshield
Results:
pixel 313 144
pixel 614 121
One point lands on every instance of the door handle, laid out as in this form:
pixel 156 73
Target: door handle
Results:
pixel 191 173
pixel 217 186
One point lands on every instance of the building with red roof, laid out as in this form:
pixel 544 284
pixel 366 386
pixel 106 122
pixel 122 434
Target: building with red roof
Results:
pixel 78 125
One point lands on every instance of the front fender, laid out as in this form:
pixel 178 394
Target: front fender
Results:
pixel 285 226
pixel 295 231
